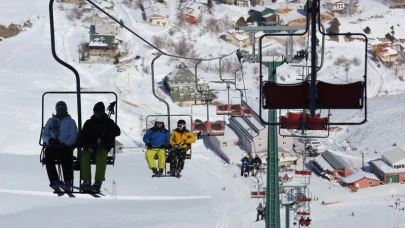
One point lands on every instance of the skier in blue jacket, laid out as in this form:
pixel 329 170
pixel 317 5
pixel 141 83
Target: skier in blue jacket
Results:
pixel 246 163
pixel 156 140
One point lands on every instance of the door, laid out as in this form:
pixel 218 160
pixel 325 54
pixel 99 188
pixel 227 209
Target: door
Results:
pixel 392 179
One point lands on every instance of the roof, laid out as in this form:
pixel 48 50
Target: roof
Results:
pixel 157 9
pixel 385 168
pixel 323 163
pixel 394 155
pixel 181 74
pixel 241 37
pixel 97 40
pixel 358 176
pixel 335 161
pixel 389 51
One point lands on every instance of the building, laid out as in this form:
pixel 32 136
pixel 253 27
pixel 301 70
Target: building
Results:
pixel 105 27
pixel 191 11
pixel 331 164
pixel 102 45
pixel 243 3
pixel 182 88
pixel 391 167
pixel 157 15
pixel 268 17
pixel 400 48
pixel 336 5
pixel 87 8
pixel 238 38
pixel 361 179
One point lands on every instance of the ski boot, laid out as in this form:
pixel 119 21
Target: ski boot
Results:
pixel 161 172
pixel 86 186
pixel 96 186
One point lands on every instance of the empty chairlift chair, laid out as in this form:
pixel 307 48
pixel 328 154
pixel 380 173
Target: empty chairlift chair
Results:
pixel 246 112
pixel 200 127
pixel 286 96
pixel 216 128
pixel 236 109
pixel 291 120
pixel 223 109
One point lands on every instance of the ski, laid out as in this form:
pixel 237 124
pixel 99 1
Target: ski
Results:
pixel 66 190
pixel 90 192
pixel 57 190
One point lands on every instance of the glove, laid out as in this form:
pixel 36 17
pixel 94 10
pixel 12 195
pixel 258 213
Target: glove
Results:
pixel 176 146
pixel 98 141
pixel 166 146
pixel 149 145
pixel 90 150
pixel 54 142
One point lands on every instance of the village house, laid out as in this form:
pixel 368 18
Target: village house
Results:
pixel 182 88
pixel 268 17
pixel 156 15
pixel 243 3
pixel 400 48
pixel 105 27
pixel 238 38
pixel 385 53
pixel 191 11
pixel 102 45
pixel 390 168
pixel 361 179
pixel 331 166
pixel 87 8
pixel 336 5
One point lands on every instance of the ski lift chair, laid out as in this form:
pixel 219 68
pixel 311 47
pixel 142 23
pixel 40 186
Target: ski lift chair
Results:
pixel 200 127
pixel 216 128
pixel 223 109
pixel 256 191
pixel 76 158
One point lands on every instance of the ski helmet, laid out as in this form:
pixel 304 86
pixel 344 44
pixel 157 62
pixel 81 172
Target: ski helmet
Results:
pixel 61 105
pixel 181 122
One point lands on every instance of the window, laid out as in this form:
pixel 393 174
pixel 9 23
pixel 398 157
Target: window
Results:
pixel 284 143
pixel 181 95
pixel 260 144
pixel 260 139
pixel 223 144
pixel 370 183
pixel 395 166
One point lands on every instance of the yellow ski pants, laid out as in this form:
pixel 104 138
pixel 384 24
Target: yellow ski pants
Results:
pixel 150 157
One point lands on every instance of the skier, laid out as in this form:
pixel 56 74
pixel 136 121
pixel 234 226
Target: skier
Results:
pixel 246 162
pixel 156 140
pixel 260 211
pixel 59 135
pixel 97 137
pixel 177 156
pixel 353 214
pixel 256 164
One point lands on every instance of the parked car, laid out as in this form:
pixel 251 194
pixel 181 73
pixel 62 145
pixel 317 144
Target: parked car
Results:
pixel 121 69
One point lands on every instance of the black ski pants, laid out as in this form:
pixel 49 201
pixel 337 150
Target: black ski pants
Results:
pixel 176 158
pixel 65 156
pixel 260 213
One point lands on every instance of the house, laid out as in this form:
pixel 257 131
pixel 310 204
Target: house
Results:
pixel 361 180
pixel 336 5
pixel 191 11
pixel 105 27
pixel 102 45
pixel 75 2
pixel 334 165
pixel 238 38
pixel 105 4
pixel 182 88
pixel 400 48
pixel 87 8
pixel 390 168
pixel 157 15
pixel 287 177
pixel 268 17
pixel 285 158
pixel 243 3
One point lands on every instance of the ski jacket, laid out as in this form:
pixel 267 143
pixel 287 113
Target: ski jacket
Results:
pixel 178 136
pixel 65 130
pixel 157 136
pixel 246 159
pixel 260 209
pixel 104 128
pixel 257 161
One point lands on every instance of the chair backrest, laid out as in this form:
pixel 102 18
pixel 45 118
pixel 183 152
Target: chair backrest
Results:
pixel 286 96
pixel 340 96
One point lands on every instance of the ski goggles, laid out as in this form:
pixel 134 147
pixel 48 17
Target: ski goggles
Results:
pixel 180 125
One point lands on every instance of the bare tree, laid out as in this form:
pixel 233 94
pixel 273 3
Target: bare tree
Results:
pixel 351 7
pixel 347 68
pixel 158 41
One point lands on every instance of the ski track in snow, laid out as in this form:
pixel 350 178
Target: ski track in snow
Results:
pixel 118 197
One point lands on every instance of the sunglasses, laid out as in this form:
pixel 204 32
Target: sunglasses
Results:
pixel 180 125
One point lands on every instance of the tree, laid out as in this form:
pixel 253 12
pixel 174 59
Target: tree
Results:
pixel 367 30
pixel 161 1
pixel 390 37
pixel 305 6
pixel 241 22
pixel 335 21
pixel 351 7
pixel 274 0
pixel 122 23
pixel 251 19
pixel 210 4
pixel 334 28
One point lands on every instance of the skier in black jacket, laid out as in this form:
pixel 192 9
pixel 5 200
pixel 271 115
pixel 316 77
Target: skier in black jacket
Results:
pixel 97 138
pixel 256 164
